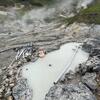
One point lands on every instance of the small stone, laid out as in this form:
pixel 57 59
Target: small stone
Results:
pixel 1 90
pixel 10 98
pixel 4 68
pixel 11 84
pixel 89 80
pixel 6 80
pixel 3 87
pixel 50 65
pixel 8 92
pixel 0 95
pixel 11 72
pixel 19 63
pixel 11 80
pixel 0 71
pixel 4 77
pixel 6 84
pixel 97 68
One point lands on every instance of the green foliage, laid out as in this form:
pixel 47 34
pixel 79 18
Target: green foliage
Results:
pixel 41 2
pixel 89 15
pixel 32 2
pixel 6 2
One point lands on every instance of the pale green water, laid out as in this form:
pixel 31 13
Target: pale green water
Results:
pixel 41 76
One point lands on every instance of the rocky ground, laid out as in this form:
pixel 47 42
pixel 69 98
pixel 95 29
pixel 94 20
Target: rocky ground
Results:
pixel 84 84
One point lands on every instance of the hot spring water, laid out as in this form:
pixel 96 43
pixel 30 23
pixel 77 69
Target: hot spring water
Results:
pixel 45 71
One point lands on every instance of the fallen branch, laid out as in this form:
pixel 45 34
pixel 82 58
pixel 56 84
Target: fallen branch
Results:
pixel 15 47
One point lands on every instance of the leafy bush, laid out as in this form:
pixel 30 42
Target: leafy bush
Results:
pixel 89 15
pixel 32 2
pixel 6 2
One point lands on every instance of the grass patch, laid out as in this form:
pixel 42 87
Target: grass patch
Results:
pixel 91 15
pixel 26 2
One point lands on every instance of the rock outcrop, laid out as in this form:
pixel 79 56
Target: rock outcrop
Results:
pixel 70 92
pixel 22 91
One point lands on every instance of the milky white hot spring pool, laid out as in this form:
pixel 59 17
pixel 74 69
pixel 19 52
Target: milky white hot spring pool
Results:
pixel 42 73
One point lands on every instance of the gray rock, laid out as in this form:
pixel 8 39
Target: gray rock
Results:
pixel 87 47
pixel 8 92
pixel 89 80
pixel 22 91
pixel 4 68
pixel 96 68
pixel 92 65
pixel 82 68
pixel 95 52
pixel 0 71
pixel 70 75
pixel 70 92
pixel 90 44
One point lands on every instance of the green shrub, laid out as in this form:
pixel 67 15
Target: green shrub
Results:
pixel 32 2
pixel 89 15
pixel 6 2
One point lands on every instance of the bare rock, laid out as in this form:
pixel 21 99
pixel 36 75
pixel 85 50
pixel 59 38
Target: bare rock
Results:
pixel 11 72
pixel 0 71
pixel 8 92
pixel 97 68
pixel 70 92
pixel 90 46
pixel 22 91
pixel 89 80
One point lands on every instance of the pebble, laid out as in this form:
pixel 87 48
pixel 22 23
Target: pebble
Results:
pixel 4 77
pixel 11 84
pixel 50 65
pixel 6 80
pixel 0 71
pixel 4 68
pixel 6 84
pixel 11 80
pixel 8 92
pixel 11 72
pixel 0 95
pixel 10 98
pixel 3 87
pixel 19 63
pixel 1 90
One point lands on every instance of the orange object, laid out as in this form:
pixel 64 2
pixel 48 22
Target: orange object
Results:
pixel 41 53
